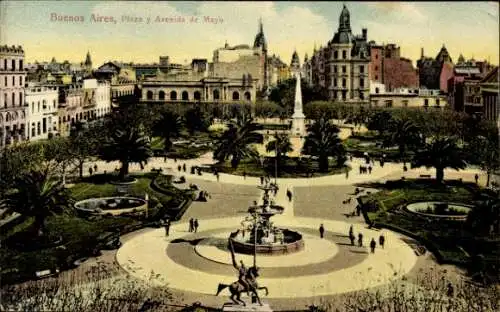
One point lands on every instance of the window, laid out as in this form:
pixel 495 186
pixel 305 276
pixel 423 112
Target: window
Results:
pixel 376 77
pixel 335 82
pixel 39 128
pixel 336 54
pixel 344 95
pixel 54 103
pixel 149 95
pixel 216 95
pixel 161 95
pixel 361 82
pixel 185 96
pixel 344 83
pixel 13 65
pixel 344 54
pixel 376 90
pixel 361 95
pixel 21 99
pixel 197 95
pixel 335 69
pixel 38 107
pixel 376 68
pixel 5 100
pixel 32 107
pixel 335 95
pixel 361 69
pixel 13 99
pixel 344 69
pixel 20 81
pixel 426 102
pixel 20 64
pixel 5 81
pixel 13 81
pixel 173 95
pixel 236 96
pixel 5 64
pixel 376 56
pixel 33 130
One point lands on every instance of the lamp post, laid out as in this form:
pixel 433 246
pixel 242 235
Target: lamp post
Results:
pixel 276 158
pixel 255 240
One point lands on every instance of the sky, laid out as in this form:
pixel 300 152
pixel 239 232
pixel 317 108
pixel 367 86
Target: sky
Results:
pixel 186 30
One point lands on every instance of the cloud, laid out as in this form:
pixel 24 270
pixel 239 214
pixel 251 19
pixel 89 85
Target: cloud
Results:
pixel 400 12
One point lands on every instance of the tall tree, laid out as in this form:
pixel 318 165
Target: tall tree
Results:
pixel 235 142
pixel 323 141
pixel 440 154
pixel 403 133
pixel 168 126
pixel 196 120
pixel 37 194
pixel 281 145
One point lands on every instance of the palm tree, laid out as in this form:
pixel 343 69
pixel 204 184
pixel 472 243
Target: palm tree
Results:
pixel 323 141
pixel 235 142
pixel 127 145
pixel 440 154
pixel 37 194
pixel 281 146
pixel 196 120
pixel 404 133
pixel 484 218
pixel 168 127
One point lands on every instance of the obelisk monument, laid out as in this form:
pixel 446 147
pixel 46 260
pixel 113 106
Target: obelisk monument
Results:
pixel 298 117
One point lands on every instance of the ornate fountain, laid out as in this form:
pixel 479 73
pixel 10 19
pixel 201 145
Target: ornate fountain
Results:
pixel 259 235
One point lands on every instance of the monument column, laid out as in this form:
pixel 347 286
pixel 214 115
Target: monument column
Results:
pixel 298 122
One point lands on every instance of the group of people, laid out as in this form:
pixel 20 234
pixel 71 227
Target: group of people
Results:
pixel 193 225
pixel 373 243
pixel 94 170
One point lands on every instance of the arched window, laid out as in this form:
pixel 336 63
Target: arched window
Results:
pixel 173 95
pixel 161 95
pixel 149 95
pixel 336 54
pixel 248 97
pixel 216 95
pixel 376 90
pixel 7 117
pixel 236 96
pixel 185 96
pixel 33 129
pixel 197 95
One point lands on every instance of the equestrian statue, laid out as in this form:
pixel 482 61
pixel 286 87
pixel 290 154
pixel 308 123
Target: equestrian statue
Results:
pixel 247 279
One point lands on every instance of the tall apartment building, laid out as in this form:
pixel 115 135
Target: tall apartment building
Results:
pixel 342 66
pixel 435 73
pixel 12 102
pixel 42 121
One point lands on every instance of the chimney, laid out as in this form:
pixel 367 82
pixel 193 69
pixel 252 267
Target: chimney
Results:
pixel 365 33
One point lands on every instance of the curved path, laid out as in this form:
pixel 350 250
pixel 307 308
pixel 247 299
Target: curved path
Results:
pixel 146 253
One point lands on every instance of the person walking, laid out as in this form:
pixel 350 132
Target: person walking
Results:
pixel 261 180
pixel 351 231
pixel 217 176
pixel 191 225
pixel 184 167
pixel 373 244
pixel 289 195
pixel 360 239
pixel 244 175
pixel 90 170
pixel 370 169
pixel 476 177
pixel 179 167
pixel 381 240
pixel 167 227
pixel 95 168
pixel 347 173
pixel 352 238
pixel 195 225
pixel 321 230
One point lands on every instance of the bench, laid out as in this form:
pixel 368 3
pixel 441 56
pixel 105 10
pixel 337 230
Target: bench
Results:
pixel 46 273
pixel 428 176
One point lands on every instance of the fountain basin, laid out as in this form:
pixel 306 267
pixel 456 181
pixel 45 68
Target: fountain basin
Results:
pixel 440 210
pixel 111 205
pixel 293 242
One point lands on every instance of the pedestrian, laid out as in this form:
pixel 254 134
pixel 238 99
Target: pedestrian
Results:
pixel 167 227
pixel 350 158
pixel 175 159
pixel 191 225
pixel 381 240
pixel 165 158
pixel 217 176
pixel 351 230
pixel 373 245
pixel 244 175
pixel 346 172
pixel 358 210
pixel 179 167
pixel 360 239
pixel 352 238
pixel 261 180
pixel 360 169
pixel 370 169
pixel 289 195
pixel 476 177
pixel 184 167
pixel 321 230
pixel 195 225
pixel 90 170
pixel 95 168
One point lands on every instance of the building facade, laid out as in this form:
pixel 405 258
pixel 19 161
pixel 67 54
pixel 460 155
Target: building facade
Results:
pixel 42 119
pixel 342 66
pixel 223 90
pixel 96 99
pixel 388 67
pixel 70 107
pixel 410 98
pixel 489 88
pixel 435 73
pixel 12 100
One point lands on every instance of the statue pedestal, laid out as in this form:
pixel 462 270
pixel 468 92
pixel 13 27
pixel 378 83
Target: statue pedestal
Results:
pixel 231 307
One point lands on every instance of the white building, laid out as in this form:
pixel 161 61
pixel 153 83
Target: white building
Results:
pixel 97 98
pixel 42 112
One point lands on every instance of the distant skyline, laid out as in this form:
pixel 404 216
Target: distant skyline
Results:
pixel 470 28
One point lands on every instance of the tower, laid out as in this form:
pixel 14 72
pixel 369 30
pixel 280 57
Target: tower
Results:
pixel 298 125
pixel 260 43
pixel 88 62
pixel 295 63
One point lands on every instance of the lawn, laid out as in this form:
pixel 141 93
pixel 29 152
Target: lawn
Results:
pixel 80 236
pixel 445 238
pixel 290 168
